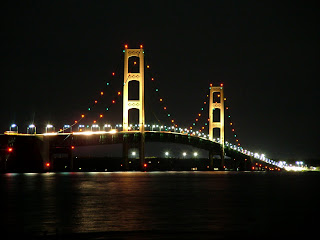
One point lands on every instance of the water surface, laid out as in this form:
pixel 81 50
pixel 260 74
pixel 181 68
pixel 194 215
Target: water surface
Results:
pixel 159 204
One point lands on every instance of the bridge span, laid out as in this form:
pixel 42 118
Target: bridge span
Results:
pixel 35 152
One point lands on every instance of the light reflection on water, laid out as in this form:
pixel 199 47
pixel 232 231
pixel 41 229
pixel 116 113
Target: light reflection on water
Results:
pixel 163 201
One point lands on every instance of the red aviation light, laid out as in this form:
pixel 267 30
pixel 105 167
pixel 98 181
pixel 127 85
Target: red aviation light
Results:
pixel 10 149
pixel 72 147
pixel 141 46
pixel 48 164
pixel 126 46
pixel 221 85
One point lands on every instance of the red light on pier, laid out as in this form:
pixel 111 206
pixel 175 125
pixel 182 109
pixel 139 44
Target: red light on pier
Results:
pixel 113 74
pixel 145 165
pixel 72 147
pixel 48 164
pixel 10 149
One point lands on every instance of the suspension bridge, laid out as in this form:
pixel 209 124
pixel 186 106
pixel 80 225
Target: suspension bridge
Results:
pixel 42 147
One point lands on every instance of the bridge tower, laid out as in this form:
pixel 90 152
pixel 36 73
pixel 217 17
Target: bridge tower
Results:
pixel 219 104
pixel 137 104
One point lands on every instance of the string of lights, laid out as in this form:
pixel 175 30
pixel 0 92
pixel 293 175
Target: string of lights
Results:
pixel 231 124
pixel 200 115
pixel 99 99
pixel 160 98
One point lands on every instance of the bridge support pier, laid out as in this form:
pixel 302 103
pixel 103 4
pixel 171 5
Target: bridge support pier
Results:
pixel 125 153
pixel 222 157
pixel 141 152
pixel 211 153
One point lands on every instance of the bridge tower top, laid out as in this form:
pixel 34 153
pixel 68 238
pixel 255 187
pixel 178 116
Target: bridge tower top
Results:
pixel 139 77
pixel 219 104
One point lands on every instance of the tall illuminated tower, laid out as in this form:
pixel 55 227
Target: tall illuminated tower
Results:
pixel 137 104
pixel 219 104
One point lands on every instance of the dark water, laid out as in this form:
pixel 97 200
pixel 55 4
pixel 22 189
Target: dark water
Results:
pixel 139 205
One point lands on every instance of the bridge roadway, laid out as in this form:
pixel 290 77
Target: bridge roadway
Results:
pixel 43 146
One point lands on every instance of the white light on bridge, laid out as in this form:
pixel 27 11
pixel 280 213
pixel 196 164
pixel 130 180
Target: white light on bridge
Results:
pixel 184 154
pixel 14 127
pixel 31 129
pixel 195 154
pixel 49 126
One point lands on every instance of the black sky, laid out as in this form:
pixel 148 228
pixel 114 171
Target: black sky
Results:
pixel 57 55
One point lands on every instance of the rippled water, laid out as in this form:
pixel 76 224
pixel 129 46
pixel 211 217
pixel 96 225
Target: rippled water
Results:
pixel 159 204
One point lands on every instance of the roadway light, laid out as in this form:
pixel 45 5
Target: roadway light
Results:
pixel 49 126
pixel 195 154
pixel 31 129
pixel 107 127
pixel 133 153
pixel 14 126
pixel 166 154
pixel 81 128
pixel 67 126
pixel 95 127
pixel 184 154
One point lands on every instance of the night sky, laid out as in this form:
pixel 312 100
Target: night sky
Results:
pixel 58 55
